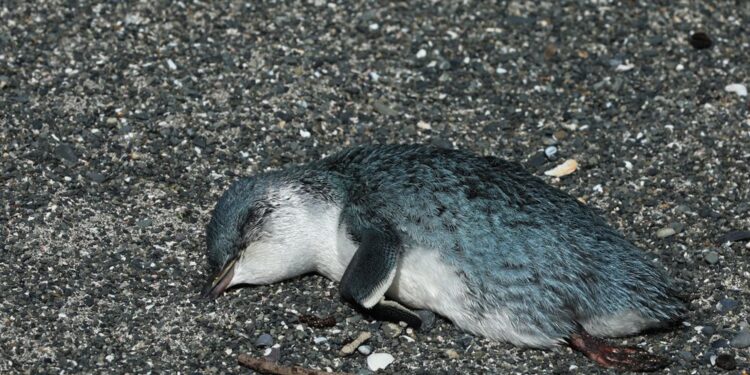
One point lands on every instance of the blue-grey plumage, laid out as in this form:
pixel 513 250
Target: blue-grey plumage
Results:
pixel 477 239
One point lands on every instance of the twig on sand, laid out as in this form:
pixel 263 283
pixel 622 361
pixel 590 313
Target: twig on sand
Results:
pixel 265 367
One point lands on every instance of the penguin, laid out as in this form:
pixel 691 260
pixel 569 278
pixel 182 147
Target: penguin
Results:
pixel 477 240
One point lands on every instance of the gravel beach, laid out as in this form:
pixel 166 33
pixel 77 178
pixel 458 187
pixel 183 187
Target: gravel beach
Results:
pixel 121 123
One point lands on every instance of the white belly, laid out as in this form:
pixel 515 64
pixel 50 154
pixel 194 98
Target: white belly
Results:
pixel 423 281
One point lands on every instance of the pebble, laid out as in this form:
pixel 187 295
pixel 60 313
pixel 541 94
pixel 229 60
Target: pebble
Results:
pixel 700 40
pixel 737 88
pixel 145 223
pixel 711 257
pixel 726 361
pixel 741 340
pixel 708 330
pixel 666 232
pixel 560 135
pixel 551 152
pixel 421 54
pixel 537 160
pixel 364 371
pixel 379 361
pixel 391 330
pixel 264 340
pixel 451 354
pixel 65 152
pixel 737 235
pixel 364 349
pixel 273 354
pixel 319 340
pixel 726 304
pixel 96 177
pixel 428 320
pixel 500 70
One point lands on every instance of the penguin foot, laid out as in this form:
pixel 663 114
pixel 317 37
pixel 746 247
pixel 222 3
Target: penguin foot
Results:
pixel 616 357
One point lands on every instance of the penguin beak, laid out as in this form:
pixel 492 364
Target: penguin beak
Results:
pixel 220 282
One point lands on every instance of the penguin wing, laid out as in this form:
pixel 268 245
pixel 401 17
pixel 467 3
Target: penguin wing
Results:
pixel 372 268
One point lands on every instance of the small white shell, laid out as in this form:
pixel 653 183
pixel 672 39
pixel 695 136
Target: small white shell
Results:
pixel 379 361
pixel 564 169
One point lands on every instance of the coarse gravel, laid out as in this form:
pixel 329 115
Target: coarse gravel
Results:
pixel 122 122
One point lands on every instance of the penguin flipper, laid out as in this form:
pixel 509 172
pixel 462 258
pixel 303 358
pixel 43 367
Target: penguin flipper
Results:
pixel 369 275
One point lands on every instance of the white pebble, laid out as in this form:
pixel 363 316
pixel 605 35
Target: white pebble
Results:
pixel 364 349
pixel 421 54
pixel 679 67
pixel 379 361
pixel 500 70
pixel 304 133
pixel 172 65
pixel 320 340
pixel 624 67
pixel 424 125
pixel 374 26
pixel 737 88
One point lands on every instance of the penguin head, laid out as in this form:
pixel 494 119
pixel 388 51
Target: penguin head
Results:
pixel 266 229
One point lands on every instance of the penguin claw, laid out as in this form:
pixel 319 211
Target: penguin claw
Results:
pixel 616 357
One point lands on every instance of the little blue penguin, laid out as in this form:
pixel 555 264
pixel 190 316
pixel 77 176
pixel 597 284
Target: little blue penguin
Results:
pixel 477 240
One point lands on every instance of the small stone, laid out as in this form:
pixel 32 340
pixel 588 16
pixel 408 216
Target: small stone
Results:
pixel 424 125
pixel 364 349
pixel 560 135
pixel 665 232
pixel 711 257
pixel 537 160
pixel 708 330
pixel 741 340
pixel 65 152
pixel 428 320
pixel 726 361
pixel 96 177
pixel 264 340
pixel 272 354
pixel 451 354
pixel 686 355
pixel 364 371
pixel 145 223
pixel 421 54
pixel 500 70
pixel 727 304
pixel 319 340
pixel 718 344
pixel 171 64
pixel 737 88
pixel 379 361
pixel 391 330
pixel 551 152
pixel 304 133
pixel 737 235
pixel 700 40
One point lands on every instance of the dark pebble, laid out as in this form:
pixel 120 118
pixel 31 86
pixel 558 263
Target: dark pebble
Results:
pixel 720 343
pixel 264 340
pixel 65 152
pixel 726 361
pixel 738 235
pixel 700 40
pixel 727 304
pixel 708 330
pixel 538 160
pixel 145 223
pixel 428 320
pixel 741 340
pixel 96 177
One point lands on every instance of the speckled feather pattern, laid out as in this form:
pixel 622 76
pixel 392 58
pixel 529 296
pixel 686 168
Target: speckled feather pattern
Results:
pixel 520 245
